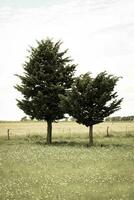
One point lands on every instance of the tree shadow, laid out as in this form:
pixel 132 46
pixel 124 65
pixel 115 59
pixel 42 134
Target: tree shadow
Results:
pixel 112 145
pixel 80 144
pixel 63 143
pixel 129 135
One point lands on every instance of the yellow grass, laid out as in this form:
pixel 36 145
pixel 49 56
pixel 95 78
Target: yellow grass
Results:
pixel 64 128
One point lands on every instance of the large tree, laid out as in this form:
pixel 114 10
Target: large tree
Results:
pixel 92 99
pixel 48 73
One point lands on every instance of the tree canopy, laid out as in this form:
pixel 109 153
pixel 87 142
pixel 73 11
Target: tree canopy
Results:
pixel 92 99
pixel 48 73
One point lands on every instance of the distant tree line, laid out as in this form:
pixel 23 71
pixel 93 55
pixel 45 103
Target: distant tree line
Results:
pixel 119 119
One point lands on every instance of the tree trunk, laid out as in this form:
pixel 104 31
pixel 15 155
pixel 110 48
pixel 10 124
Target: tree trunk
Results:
pixel 91 135
pixel 49 132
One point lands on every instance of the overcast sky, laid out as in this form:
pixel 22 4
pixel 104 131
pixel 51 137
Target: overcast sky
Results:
pixel 98 33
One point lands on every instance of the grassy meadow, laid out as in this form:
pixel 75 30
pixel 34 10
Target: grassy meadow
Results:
pixel 67 170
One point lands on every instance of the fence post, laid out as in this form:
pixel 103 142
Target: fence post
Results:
pixel 108 131
pixel 8 134
pixel 126 130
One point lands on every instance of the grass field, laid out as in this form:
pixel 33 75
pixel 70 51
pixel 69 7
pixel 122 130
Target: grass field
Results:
pixel 64 129
pixel 67 170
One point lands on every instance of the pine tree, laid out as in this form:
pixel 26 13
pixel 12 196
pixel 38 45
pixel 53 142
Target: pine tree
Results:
pixel 48 73
pixel 92 99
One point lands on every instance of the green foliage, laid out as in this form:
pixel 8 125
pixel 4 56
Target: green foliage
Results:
pixel 47 73
pixel 92 99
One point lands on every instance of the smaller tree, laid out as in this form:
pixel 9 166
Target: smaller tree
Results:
pixel 90 100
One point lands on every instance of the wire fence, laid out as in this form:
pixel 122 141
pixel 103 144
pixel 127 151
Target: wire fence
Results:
pixel 66 129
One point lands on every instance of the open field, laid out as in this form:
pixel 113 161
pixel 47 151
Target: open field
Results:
pixel 67 170
pixel 65 129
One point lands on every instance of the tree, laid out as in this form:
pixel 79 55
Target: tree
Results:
pixel 48 73
pixel 92 99
pixel 24 119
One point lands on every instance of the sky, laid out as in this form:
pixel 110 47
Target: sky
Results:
pixel 98 33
